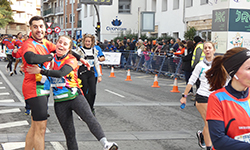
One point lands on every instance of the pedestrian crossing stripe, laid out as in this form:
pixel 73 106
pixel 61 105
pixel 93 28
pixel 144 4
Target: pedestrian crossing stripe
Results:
pixel 6 93
pixel 7 101
pixel 13 145
pixel 2 87
pixel 5 111
pixel 13 124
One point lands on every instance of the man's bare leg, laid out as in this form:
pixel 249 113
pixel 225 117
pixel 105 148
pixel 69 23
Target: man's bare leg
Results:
pixel 35 136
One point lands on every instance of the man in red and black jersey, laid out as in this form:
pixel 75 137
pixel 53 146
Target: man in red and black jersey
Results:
pixel 18 43
pixel 36 87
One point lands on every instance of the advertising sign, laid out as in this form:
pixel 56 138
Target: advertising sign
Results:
pixel 220 20
pixel 239 20
pixel 148 21
pixel 111 58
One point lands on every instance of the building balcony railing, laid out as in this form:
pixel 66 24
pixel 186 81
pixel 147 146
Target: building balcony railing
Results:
pixel 57 24
pixel 79 7
pixel 50 11
pixel 59 10
pixel 79 23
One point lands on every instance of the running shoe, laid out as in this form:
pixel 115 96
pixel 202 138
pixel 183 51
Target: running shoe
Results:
pixel 15 71
pixel 7 69
pixel 110 146
pixel 11 73
pixel 27 112
pixel 21 72
pixel 201 141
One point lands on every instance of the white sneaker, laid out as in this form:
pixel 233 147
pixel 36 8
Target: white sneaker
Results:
pixel 6 67
pixel 110 146
pixel 11 73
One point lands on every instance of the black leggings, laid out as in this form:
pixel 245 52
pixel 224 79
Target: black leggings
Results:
pixel 63 112
pixel 10 59
pixel 89 87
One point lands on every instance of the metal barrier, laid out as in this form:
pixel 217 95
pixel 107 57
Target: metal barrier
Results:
pixel 167 65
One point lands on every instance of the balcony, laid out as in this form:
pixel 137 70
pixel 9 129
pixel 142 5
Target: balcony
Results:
pixel 79 23
pixel 18 8
pixel 79 7
pixel 49 12
pixel 59 11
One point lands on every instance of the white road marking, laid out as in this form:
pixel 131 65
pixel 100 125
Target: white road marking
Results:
pixel 5 111
pixel 1 82
pixel 13 124
pixel 2 87
pixel 18 95
pixel 7 101
pixel 114 93
pixel 56 145
pixel 6 93
pixel 13 145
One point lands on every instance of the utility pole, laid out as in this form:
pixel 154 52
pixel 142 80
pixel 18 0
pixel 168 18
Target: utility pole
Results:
pixel 72 18
pixel 65 17
pixel 98 27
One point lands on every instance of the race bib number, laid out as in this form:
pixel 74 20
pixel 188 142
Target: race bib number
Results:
pixel 91 62
pixel 58 82
pixel 243 137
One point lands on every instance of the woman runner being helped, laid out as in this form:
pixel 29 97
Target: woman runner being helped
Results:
pixel 228 110
pixel 68 96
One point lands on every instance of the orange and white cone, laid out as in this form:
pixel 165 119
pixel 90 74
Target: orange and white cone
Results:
pixel 112 73
pixel 175 87
pixel 101 69
pixel 128 76
pixel 155 82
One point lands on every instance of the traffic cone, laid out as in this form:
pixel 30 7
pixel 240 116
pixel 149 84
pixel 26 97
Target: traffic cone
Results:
pixel 175 87
pixel 128 76
pixel 155 82
pixel 112 74
pixel 101 69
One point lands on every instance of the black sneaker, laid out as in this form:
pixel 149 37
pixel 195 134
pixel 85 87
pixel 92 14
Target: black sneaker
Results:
pixel 201 141
pixel 21 72
pixel 15 71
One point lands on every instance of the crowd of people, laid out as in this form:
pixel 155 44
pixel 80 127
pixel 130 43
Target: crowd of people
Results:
pixel 71 69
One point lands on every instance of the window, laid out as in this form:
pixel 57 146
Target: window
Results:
pixel 124 6
pixel 85 11
pixel 91 10
pixel 70 19
pixel 189 3
pixel 66 19
pixel 61 18
pixel 164 5
pixel 176 4
pixel 204 2
pixel 154 5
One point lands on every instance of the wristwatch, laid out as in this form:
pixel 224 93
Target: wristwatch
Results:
pixel 184 95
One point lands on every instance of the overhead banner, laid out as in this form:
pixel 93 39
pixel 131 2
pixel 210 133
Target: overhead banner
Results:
pixel 112 58
pixel 97 2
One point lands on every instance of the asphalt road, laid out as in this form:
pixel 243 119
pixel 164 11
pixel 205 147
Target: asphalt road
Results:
pixel 132 113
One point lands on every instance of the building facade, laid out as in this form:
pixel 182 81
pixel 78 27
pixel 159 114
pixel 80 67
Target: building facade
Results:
pixel 172 17
pixel 23 10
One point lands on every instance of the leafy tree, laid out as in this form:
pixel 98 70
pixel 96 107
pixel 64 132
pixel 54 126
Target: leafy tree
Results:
pixel 190 33
pixel 5 13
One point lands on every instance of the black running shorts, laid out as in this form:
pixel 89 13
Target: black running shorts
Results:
pixel 201 99
pixel 39 107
